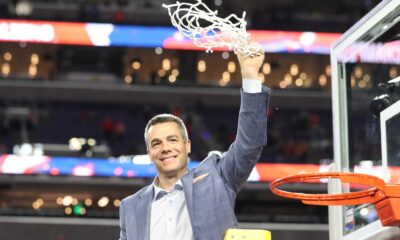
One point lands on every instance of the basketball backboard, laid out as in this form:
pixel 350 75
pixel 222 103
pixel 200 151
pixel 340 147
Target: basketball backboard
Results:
pixel 366 105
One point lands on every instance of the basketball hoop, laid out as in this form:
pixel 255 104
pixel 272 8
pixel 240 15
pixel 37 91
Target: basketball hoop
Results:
pixel 385 196
pixel 199 23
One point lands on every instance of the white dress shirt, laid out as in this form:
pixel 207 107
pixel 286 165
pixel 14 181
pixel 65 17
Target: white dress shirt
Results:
pixel 169 215
pixel 251 85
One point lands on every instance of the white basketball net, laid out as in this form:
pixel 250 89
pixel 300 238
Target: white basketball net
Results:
pixel 197 22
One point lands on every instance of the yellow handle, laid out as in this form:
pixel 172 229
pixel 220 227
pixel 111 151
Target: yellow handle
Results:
pixel 247 234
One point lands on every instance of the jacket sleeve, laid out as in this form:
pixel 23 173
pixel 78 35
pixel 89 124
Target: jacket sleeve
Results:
pixel 238 162
pixel 122 234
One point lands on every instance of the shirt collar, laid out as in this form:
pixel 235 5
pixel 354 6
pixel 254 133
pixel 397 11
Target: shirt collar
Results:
pixel 157 190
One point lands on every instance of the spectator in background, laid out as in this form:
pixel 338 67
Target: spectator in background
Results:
pixel 120 130
pixel 107 126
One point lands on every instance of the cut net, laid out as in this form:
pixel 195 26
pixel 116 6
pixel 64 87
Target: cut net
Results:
pixel 199 23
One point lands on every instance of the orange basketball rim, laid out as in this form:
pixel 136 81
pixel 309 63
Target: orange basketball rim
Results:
pixel 385 196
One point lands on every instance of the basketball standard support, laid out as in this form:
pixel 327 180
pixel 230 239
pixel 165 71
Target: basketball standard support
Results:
pixel 356 49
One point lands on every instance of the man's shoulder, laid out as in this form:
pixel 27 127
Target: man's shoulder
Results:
pixel 209 163
pixel 209 160
pixel 134 197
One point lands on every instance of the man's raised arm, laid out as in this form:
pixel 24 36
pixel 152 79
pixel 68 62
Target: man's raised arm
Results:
pixel 251 136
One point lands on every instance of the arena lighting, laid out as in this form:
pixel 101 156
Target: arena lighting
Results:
pixel 117 203
pixel 40 201
pixel 358 72
pixel 323 80
pixel 231 67
pixel 172 78
pixel 59 201
pixel 35 59
pixel 307 38
pixel 136 65
pixel 353 81
pixel 222 82
pixel 218 2
pixel 328 70
pixel 158 50
pixel 37 204
pixel 166 64
pixel 7 56
pixel 266 68
pixel 299 82
pixel 28 149
pixel 288 79
pixel 23 8
pixel 294 69
pixel 5 69
pixel 362 84
pixel 78 210
pixel 175 72
pixel 201 66
pixel 393 72
pixel 103 202
pixel 128 79
pixel 74 201
pixel 83 146
pixel 225 55
pixel 68 210
pixel 226 77
pixel 161 72
pixel 366 78
pixel 91 142
pixel 32 70
pixel 88 202
pixel 67 200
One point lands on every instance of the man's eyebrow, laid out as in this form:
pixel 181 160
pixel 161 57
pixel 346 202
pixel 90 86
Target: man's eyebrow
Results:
pixel 173 135
pixel 168 137
pixel 154 140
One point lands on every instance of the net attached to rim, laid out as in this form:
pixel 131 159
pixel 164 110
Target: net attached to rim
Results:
pixel 385 196
pixel 199 23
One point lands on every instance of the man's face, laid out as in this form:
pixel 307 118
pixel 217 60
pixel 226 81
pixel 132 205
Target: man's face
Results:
pixel 167 149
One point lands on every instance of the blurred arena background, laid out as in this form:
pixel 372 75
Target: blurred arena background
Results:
pixel 80 79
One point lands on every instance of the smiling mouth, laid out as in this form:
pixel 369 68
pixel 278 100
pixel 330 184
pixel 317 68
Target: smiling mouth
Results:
pixel 168 159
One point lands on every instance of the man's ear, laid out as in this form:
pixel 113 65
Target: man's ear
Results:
pixel 188 146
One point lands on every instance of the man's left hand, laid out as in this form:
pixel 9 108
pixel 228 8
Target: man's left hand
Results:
pixel 250 66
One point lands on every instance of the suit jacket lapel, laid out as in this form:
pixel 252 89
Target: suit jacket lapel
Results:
pixel 143 213
pixel 187 181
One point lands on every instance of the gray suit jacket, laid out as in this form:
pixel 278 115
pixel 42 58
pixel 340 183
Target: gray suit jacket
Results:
pixel 210 188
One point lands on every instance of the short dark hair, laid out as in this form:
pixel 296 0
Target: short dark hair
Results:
pixel 164 118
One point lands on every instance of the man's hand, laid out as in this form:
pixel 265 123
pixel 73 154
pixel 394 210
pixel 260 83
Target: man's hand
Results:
pixel 250 66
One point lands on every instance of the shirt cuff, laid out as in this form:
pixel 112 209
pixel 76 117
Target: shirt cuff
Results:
pixel 251 85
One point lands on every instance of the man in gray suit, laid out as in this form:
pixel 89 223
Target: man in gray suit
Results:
pixel 197 204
